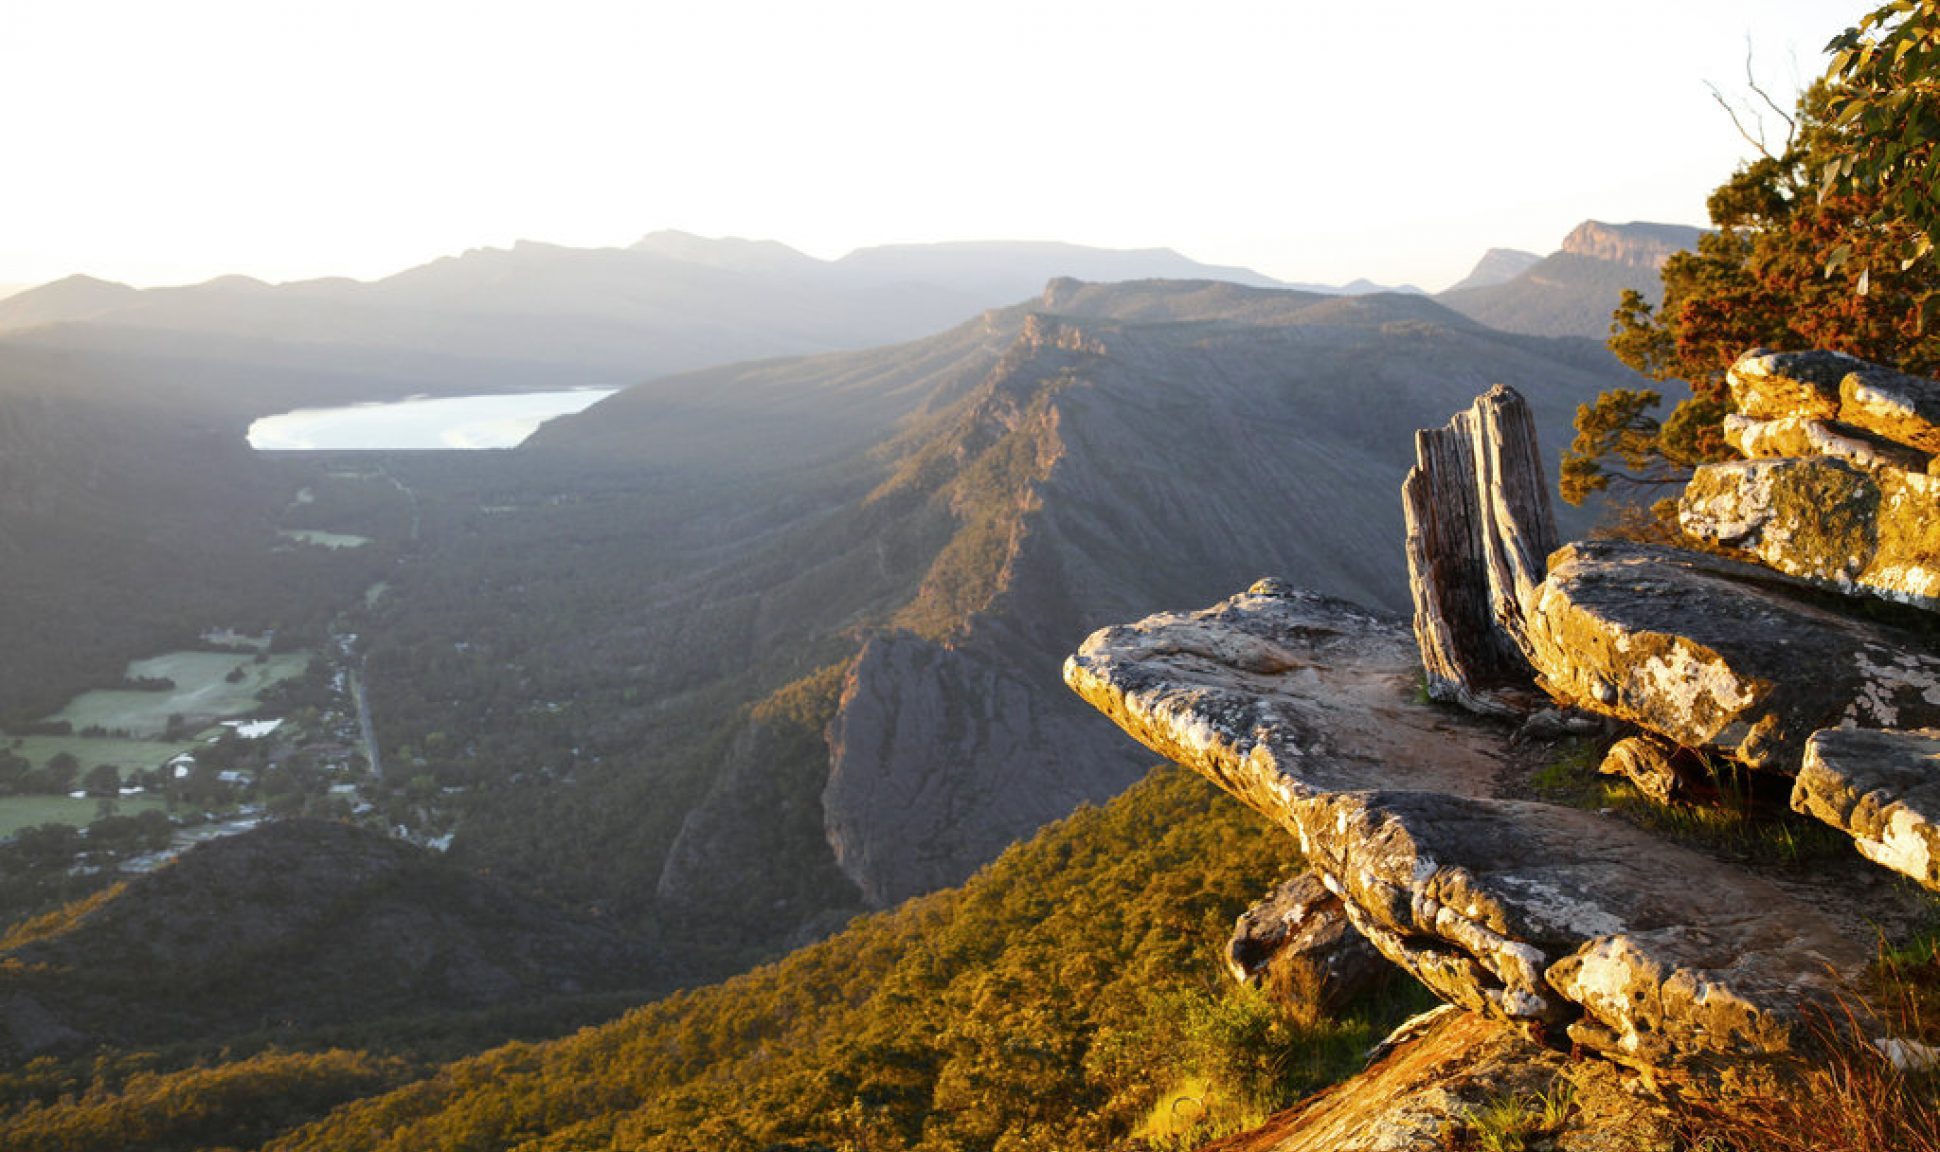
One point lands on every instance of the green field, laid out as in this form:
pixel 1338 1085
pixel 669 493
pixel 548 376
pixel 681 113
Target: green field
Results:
pixel 202 692
pixel 324 539
pixel 90 750
pixel 17 812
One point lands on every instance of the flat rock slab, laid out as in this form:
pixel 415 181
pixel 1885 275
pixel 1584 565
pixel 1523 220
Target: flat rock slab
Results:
pixel 1868 531
pixel 1301 707
pixel 1883 789
pixel 1820 385
pixel 1706 652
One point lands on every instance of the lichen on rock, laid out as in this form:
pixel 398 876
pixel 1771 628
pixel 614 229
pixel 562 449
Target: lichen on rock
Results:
pixel 1883 789
pixel 1395 806
pixel 1719 655
pixel 1769 385
pixel 1871 532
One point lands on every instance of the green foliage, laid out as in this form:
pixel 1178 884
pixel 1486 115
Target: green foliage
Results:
pixel 1729 812
pixel 1515 1122
pixel 1851 192
pixel 1887 105
pixel 1051 1002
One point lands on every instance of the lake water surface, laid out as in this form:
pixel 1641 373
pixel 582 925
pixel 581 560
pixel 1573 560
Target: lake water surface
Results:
pixel 447 423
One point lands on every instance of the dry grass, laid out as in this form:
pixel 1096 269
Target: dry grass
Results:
pixel 1851 1099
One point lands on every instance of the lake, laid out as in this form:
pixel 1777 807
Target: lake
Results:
pixel 445 423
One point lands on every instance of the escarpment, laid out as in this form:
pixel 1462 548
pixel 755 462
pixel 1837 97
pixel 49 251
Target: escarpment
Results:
pixel 1763 648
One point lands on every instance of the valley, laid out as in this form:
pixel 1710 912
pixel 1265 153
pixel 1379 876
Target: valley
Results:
pixel 715 665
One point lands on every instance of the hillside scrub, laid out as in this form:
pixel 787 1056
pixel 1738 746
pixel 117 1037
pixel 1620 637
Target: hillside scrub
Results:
pixel 1053 1001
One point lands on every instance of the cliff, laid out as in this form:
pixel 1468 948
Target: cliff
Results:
pixel 1638 245
pixel 1573 290
pixel 1705 974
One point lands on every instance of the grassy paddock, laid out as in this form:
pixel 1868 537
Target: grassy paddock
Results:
pixel 202 691
pixel 17 812
pixel 89 750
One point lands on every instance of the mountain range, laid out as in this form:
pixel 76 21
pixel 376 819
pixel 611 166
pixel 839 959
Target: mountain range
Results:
pixel 504 318
pixel 746 648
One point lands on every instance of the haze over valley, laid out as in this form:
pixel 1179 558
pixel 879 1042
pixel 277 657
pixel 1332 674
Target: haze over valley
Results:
pixel 624 577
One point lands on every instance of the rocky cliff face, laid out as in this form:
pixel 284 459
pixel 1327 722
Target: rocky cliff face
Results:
pixel 1635 245
pixel 1565 920
pixel 1137 445
pixel 1572 291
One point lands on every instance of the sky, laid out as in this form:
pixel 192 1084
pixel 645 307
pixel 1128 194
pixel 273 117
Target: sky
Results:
pixel 166 143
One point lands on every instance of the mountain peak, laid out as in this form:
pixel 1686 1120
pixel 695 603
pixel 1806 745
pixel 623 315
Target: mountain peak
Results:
pixel 1637 244
pixel 732 252
pixel 1498 266
pixel 76 297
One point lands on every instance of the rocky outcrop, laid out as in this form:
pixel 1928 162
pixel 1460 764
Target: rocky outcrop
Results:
pixel 1565 920
pixel 1893 404
pixel 1479 525
pixel 1638 245
pixel 1427 1090
pixel 1779 385
pixel 941 756
pixel 1883 789
pixel 1551 916
pixel 1875 531
pixel 1803 436
pixel 1719 655
pixel 1819 385
pixel 1649 763
pixel 1299 940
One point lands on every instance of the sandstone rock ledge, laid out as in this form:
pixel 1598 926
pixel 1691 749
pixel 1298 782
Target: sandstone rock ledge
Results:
pixel 1565 920
pixel 1708 652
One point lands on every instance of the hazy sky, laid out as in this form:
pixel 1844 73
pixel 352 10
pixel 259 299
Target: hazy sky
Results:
pixel 158 142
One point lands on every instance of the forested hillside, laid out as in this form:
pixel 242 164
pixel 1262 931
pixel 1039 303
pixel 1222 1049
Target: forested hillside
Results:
pixel 577 637
pixel 1064 997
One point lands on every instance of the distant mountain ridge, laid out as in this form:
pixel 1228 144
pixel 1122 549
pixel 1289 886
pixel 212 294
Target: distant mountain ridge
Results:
pixel 1497 266
pixel 1636 244
pixel 1572 291
pixel 499 318
pixel 1048 453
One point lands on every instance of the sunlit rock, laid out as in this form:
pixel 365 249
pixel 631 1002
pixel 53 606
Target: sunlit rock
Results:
pixel 1873 532
pixel 1718 655
pixel 1883 789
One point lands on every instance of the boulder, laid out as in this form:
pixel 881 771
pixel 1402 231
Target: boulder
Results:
pixel 1647 762
pixel 1299 940
pixel 1799 436
pixel 1873 532
pixel 1893 404
pixel 1827 386
pixel 1718 655
pixel 1479 525
pixel 1883 789
pixel 1300 706
pixel 1774 385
